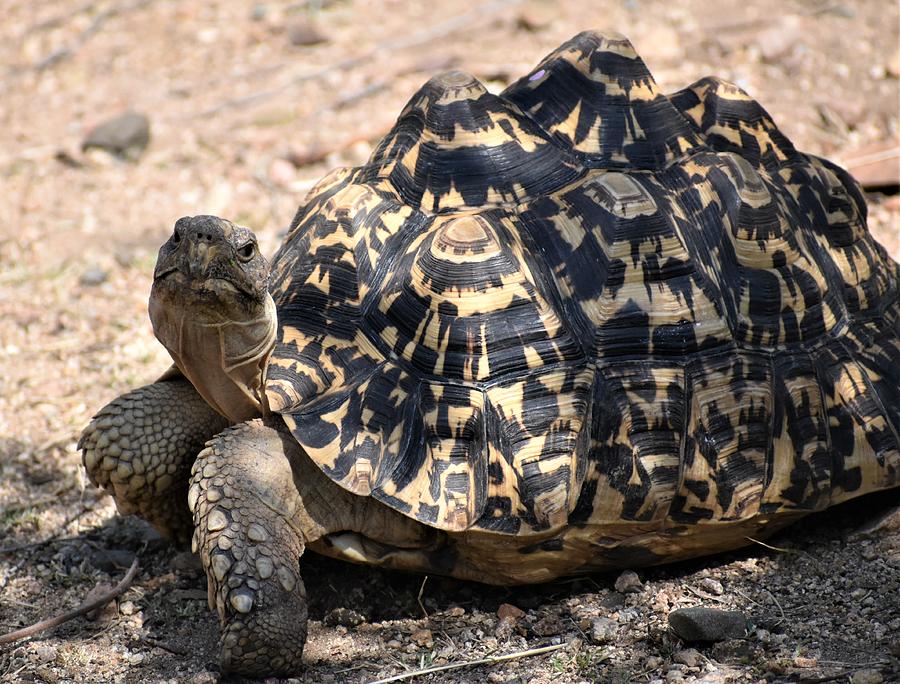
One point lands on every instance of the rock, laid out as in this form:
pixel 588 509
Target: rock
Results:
pixel 629 583
pixel 866 677
pixel 509 611
pixel 93 276
pixel 612 601
pixel 707 624
pixel 712 586
pixel 127 608
pixel 604 630
pixel 303 33
pixel 345 617
pixel 126 135
pixel 505 628
pixel 778 42
pixel 422 637
pixel 205 677
pixel 716 677
pixel 689 656
pixel 111 560
pixel 45 653
pixel 549 625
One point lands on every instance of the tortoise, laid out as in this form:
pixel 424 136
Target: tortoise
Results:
pixel 575 326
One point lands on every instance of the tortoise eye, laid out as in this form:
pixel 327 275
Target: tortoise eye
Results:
pixel 246 252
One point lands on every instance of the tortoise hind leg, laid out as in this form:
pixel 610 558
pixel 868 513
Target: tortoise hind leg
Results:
pixel 140 448
pixel 258 501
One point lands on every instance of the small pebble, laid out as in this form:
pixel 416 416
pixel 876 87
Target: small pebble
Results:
pixel 125 135
pixel 712 586
pixel 344 617
pixel 707 624
pixel 303 33
pixel 45 652
pixel 802 661
pixel 549 625
pixel 628 583
pixel 509 611
pixel 604 630
pixel 127 608
pixel 689 656
pixel 93 276
pixel 866 677
pixel 423 637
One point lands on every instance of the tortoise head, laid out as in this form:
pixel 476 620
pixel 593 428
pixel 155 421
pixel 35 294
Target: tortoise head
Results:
pixel 210 307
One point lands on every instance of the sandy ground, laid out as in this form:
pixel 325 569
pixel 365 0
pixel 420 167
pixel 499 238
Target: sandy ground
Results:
pixel 244 120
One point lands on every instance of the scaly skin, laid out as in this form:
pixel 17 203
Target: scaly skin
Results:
pixel 252 524
pixel 140 448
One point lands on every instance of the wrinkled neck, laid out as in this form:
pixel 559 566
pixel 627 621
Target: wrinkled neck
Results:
pixel 225 359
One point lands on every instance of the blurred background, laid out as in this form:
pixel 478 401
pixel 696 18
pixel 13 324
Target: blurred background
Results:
pixel 119 116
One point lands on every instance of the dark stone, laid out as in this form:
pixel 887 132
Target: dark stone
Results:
pixel 125 135
pixel 112 560
pixel 707 624
pixel 93 275
pixel 303 33
pixel 343 616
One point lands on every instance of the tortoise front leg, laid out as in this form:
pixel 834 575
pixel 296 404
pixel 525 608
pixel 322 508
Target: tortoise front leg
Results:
pixel 140 448
pixel 249 521
pixel 258 502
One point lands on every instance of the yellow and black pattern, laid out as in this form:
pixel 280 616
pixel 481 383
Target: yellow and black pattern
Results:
pixel 588 313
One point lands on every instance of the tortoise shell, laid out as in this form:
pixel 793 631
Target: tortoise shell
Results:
pixel 582 301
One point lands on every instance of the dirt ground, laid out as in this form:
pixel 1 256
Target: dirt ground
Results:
pixel 249 104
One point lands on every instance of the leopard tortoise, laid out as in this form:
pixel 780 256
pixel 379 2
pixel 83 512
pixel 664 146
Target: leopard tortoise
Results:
pixel 573 326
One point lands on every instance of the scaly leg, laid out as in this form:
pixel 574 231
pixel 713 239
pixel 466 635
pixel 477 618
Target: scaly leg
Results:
pixel 258 501
pixel 140 448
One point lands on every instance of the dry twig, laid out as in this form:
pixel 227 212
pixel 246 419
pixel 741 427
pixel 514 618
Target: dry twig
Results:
pixel 490 660
pixel 94 27
pixel 84 608
pixel 59 19
pixel 419 597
